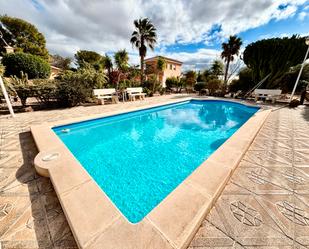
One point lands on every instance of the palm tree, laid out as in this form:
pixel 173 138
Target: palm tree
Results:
pixel 230 49
pixel 144 35
pixel 122 62
pixel 217 68
pixel 108 65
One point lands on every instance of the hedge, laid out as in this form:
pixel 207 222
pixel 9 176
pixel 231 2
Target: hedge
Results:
pixel 32 65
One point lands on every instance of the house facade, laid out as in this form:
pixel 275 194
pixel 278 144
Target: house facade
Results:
pixel 55 71
pixel 172 68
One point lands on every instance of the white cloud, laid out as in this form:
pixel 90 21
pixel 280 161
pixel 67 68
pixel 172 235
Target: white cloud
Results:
pixel 198 60
pixel 106 25
pixel 302 15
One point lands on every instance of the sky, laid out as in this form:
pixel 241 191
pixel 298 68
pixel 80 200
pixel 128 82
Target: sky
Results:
pixel 191 31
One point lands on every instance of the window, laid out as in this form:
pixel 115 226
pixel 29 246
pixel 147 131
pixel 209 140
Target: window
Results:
pixel 174 67
pixel 171 66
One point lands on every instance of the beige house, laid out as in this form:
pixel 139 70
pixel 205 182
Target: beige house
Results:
pixel 55 71
pixel 172 68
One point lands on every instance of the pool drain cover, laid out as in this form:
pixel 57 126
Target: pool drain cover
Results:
pixel 50 157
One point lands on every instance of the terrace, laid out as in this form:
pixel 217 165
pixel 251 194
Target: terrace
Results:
pixel 263 204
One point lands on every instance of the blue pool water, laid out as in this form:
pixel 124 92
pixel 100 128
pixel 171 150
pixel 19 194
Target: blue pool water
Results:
pixel 140 157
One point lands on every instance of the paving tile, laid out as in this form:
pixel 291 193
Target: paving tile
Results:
pixel 242 217
pixel 268 158
pixel 209 236
pixel 261 180
pixel 28 228
pixel 271 144
pixel 301 158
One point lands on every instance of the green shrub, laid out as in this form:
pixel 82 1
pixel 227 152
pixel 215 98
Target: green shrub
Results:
pixel 45 90
pixel 175 83
pixel 148 92
pixel 213 86
pixel 199 86
pixel 162 90
pixel 244 83
pixel 123 84
pixel 22 88
pixel 171 82
pixel 72 94
pixel 287 80
pixel 32 65
pixel 190 78
pixel 151 86
pixel 234 86
pixel 74 88
pixel 69 89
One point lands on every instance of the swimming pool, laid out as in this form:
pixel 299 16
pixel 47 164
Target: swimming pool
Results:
pixel 138 158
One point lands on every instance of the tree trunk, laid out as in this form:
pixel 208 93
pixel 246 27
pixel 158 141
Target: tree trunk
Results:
pixel 109 75
pixel 154 83
pixel 226 72
pixel 142 69
pixel 118 79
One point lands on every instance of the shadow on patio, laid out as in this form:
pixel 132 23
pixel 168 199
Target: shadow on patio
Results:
pixel 45 217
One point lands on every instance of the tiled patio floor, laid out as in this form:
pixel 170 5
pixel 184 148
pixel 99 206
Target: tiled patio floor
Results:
pixel 265 204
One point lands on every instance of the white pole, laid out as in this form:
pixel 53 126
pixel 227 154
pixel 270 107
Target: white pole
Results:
pixel 6 96
pixel 299 74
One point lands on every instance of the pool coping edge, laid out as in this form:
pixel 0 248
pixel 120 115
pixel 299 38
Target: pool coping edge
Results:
pixel 70 181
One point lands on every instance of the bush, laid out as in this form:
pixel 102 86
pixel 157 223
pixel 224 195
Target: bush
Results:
pixel 171 82
pixel 74 88
pixel 190 78
pixel 123 84
pixel 287 80
pixel 174 83
pixel 32 65
pixel 22 87
pixel 45 90
pixel 162 90
pixel 69 89
pixel 234 86
pixel 244 83
pixel 213 86
pixel 148 92
pixel 147 88
pixel 199 86
pixel 151 86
